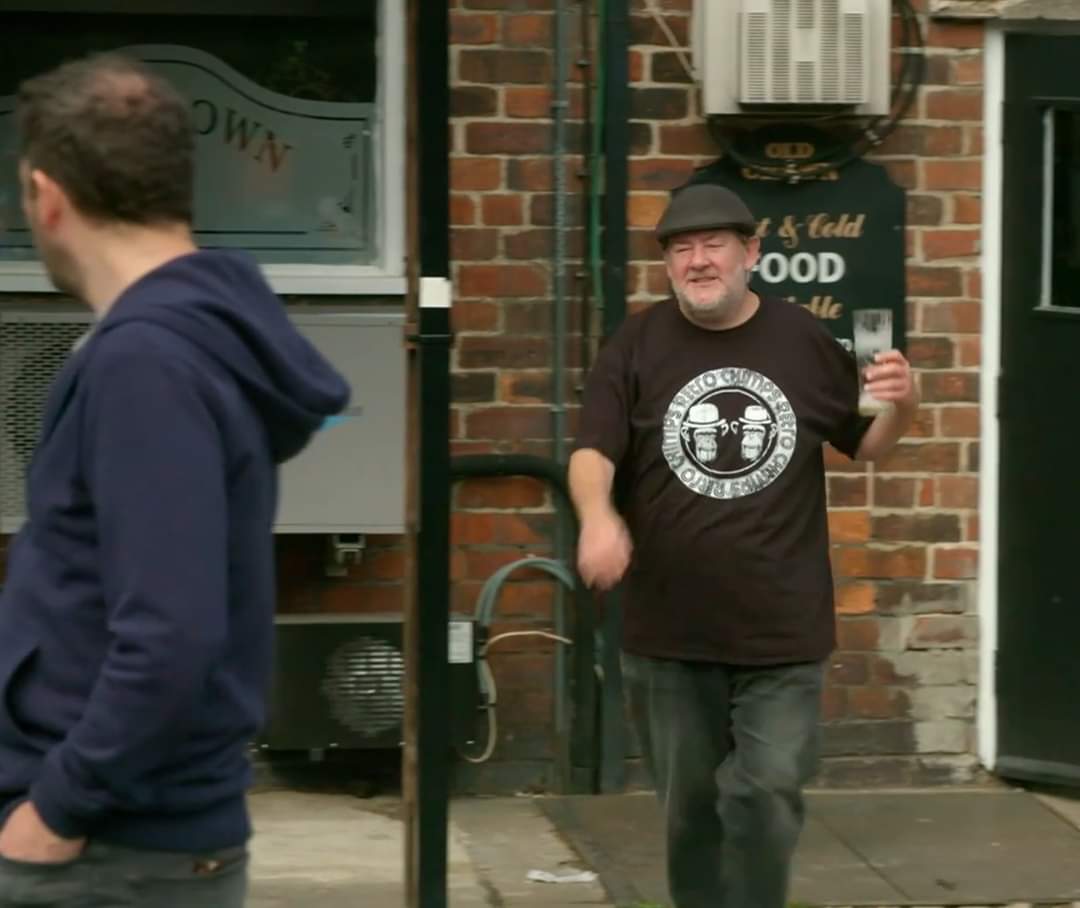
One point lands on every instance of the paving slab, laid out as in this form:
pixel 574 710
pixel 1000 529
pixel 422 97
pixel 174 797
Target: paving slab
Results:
pixel 622 838
pixel 959 847
pixel 942 847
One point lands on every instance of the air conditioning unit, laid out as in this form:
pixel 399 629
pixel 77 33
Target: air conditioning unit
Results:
pixel 339 682
pixel 349 480
pixel 792 56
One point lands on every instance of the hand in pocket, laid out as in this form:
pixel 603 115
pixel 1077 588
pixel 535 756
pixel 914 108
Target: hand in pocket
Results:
pixel 26 838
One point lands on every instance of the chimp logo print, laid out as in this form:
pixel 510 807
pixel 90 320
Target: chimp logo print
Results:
pixel 728 433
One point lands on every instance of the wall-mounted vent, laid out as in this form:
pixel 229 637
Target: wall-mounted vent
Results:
pixel 753 56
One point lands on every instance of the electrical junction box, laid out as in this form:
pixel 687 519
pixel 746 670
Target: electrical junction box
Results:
pixel 350 478
pixel 792 56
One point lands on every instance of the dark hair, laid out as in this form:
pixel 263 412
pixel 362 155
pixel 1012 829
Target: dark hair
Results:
pixel 114 135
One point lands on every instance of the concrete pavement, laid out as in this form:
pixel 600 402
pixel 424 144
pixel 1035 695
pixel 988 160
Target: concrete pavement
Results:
pixel 947 847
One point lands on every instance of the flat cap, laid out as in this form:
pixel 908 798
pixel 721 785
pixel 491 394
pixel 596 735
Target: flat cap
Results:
pixel 704 206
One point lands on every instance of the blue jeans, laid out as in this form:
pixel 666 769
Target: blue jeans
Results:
pixel 109 876
pixel 729 749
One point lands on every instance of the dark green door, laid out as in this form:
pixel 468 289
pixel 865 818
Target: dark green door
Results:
pixel 1038 669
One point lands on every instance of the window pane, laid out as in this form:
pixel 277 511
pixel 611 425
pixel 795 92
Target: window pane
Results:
pixel 1063 128
pixel 285 115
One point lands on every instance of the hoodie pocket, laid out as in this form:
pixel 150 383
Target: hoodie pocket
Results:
pixel 15 659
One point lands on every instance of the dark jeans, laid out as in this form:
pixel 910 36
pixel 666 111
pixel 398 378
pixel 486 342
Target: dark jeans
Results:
pixel 730 749
pixel 108 876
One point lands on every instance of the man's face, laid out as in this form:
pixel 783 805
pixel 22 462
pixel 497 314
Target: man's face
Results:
pixel 709 271
pixel 43 204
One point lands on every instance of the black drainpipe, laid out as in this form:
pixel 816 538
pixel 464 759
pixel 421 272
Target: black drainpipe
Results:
pixel 431 760
pixel 612 775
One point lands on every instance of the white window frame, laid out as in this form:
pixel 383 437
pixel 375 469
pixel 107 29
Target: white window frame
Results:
pixel 387 277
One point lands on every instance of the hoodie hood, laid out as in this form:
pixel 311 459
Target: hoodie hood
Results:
pixel 220 303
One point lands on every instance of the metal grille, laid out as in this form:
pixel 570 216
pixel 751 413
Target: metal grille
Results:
pixel 757 31
pixel 781 50
pixel 33 348
pixel 854 53
pixel 364 685
pixel 804 51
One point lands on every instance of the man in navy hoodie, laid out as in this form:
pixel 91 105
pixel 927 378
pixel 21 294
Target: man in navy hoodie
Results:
pixel 136 620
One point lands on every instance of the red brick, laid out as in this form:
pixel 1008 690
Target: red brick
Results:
pixel 902 172
pixel 636 66
pixel 847 491
pixel 659 173
pixel 917 528
pixel 944 387
pixel 472 528
pixel 342 598
pixel 528 244
pixel 924 424
pixel 877 703
pixel 462 209
pixel 959 35
pixel 686 140
pixel 967 70
pixel 925 495
pixel 504 492
pixel 935 281
pixel 473 28
pixel 475 315
pixel 473 245
pixel 473 101
pixel 505 67
pixel 930 352
pixel 847 668
pixel 507 138
pixel 973 528
pixel 949 244
pixel 974 140
pixel 502 210
pixel 659 103
pixel 908 561
pixel 857 634
pixel 931 141
pixel 525 387
pixel 967 209
pixel 644 209
pixel 960 422
pixel 893 492
pixel 951 317
pixel 948 174
pixel 854 598
pixel 942 631
pixel 645 30
pixel 969 351
pixel 958 491
pixel 508 422
pixel 501 280
pixel 475 174
pixel 502 352
pixel 954 104
pixel 956 563
pixel 973 284
pixel 529 31
pixel 528 101
pixel 924 210
pixel 380 565
pixel 849 526
pixel 921 457
pixel 472 387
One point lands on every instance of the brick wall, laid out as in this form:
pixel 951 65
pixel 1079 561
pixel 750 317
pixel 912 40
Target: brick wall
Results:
pixel 901 697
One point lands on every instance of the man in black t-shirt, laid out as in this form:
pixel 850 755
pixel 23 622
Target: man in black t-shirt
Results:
pixel 709 412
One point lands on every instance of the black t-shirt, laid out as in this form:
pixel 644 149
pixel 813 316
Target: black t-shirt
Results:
pixel 717 440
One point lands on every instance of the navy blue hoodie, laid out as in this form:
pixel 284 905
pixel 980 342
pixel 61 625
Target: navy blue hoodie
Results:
pixel 136 620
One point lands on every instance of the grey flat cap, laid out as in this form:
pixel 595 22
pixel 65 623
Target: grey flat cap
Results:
pixel 704 206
